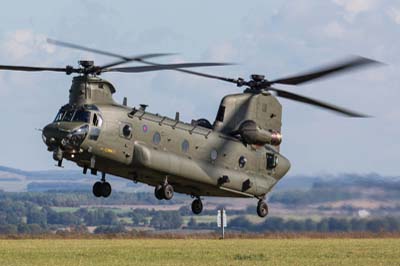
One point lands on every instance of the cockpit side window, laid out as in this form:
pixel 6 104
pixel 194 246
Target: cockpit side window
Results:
pixel 97 120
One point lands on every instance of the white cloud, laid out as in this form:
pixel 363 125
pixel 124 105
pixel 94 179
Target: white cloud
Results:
pixel 222 52
pixel 356 6
pixel 394 14
pixel 23 42
pixel 334 30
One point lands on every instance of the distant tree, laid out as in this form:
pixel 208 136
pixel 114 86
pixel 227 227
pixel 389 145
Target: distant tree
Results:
pixel 185 210
pixel 375 225
pixel 241 223
pixel 323 226
pixel 166 220
pixel 310 225
pixel 192 223
pixel 8 229
pixel 110 229
pixel 36 216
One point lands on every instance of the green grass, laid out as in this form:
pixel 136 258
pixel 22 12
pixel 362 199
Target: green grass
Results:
pixel 200 252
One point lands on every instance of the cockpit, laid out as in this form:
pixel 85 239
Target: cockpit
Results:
pixel 71 126
pixel 68 113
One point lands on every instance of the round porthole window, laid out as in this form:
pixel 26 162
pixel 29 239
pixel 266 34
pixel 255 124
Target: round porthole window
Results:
pixel 242 161
pixel 185 146
pixel 214 155
pixel 156 138
pixel 127 131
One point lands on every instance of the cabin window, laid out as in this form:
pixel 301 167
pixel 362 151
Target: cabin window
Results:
pixel 221 113
pixel 185 146
pixel 272 161
pixel 156 138
pixel 214 155
pixel 242 161
pixel 125 130
pixel 264 107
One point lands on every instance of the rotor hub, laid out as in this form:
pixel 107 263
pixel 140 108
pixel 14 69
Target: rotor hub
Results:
pixel 257 77
pixel 86 63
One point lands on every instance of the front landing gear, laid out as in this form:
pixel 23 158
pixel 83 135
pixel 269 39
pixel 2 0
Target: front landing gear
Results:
pixel 102 188
pixel 262 208
pixel 197 206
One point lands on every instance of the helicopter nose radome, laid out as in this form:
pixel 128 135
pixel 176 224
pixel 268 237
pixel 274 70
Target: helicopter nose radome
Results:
pixel 52 135
pixel 64 134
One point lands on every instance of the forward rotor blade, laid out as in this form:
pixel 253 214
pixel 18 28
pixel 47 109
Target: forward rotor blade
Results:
pixel 124 59
pixel 310 101
pixel 349 64
pixel 30 68
pixel 134 58
pixel 137 69
pixel 83 48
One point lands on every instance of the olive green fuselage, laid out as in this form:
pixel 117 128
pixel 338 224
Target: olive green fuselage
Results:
pixel 152 149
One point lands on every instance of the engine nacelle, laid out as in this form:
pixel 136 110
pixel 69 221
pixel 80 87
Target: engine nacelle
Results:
pixel 252 134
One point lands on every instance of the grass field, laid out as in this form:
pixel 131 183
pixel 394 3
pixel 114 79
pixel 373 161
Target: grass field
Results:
pixel 200 252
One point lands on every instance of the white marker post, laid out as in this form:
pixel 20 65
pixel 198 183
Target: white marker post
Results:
pixel 221 221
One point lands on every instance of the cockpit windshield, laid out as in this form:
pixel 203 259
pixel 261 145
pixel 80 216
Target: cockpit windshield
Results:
pixel 73 115
pixel 81 116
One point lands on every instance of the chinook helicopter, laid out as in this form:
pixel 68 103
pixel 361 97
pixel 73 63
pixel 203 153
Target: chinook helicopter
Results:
pixel 236 156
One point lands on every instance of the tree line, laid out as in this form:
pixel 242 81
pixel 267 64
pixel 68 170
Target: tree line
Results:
pixel 325 225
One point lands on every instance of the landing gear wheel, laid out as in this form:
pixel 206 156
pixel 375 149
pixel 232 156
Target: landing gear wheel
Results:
pixel 106 189
pixel 158 192
pixel 197 206
pixel 262 209
pixel 168 191
pixel 97 189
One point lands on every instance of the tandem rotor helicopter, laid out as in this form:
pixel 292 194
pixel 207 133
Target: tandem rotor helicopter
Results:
pixel 236 156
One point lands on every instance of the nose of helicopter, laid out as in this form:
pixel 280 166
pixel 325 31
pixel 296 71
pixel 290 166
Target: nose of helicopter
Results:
pixel 64 134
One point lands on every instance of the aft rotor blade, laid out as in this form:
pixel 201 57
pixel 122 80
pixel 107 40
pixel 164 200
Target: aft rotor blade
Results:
pixel 137 69
pixel 30 68
pixel 344 66
pixel 310 101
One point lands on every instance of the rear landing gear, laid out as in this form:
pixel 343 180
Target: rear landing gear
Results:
pixel 262 208
pixel 197 206
pixel 165 191
pixel 102 188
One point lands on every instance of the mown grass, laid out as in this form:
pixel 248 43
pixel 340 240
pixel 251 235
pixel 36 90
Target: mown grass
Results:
pixel 303 251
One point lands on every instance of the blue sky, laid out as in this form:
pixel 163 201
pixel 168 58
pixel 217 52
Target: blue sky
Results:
pixel 275 38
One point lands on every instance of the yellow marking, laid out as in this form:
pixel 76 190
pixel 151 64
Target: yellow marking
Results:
pixel 107 150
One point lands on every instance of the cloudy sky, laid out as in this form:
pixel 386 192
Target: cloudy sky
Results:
pixel 275 38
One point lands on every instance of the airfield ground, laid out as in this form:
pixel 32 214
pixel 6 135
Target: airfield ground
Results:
pixel 298 251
